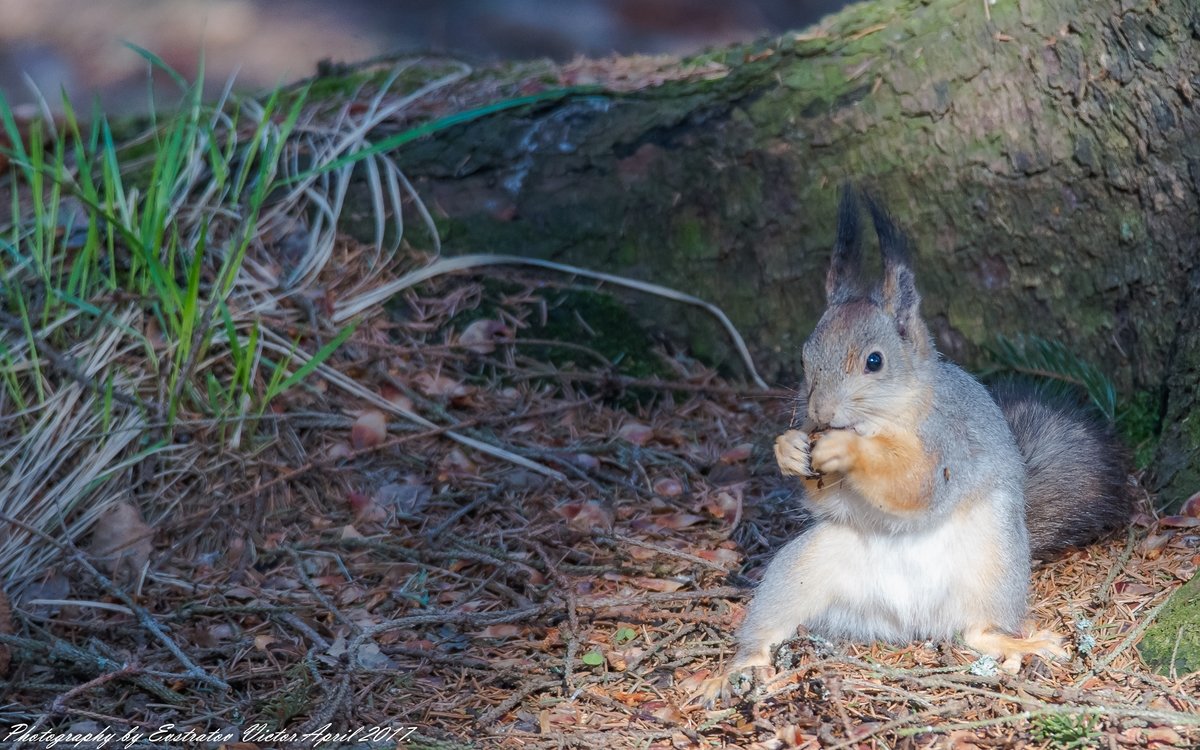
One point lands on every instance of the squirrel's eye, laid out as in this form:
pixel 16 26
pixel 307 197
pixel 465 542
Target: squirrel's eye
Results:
pixel 874 362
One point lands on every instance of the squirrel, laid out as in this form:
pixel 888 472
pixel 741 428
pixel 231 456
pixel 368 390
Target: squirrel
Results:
pixel 931 497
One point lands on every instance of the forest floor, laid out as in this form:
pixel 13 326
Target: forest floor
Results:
pixel 360 572
pixel 497 513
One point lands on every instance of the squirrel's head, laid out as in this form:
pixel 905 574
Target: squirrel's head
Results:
pixel 867 363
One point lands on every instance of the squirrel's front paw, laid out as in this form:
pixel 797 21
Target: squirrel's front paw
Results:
pixel 835 451
pixel 792 454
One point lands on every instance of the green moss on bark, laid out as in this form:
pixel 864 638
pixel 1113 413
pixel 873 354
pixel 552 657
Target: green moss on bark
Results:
pixel 1172 643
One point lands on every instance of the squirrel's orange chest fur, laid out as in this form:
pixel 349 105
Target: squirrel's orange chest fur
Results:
pixel 892 471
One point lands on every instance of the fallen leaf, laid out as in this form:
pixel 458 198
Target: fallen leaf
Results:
pixel 616 660
pixel 368 430
pixel 692 682
pixel 1152 545
pixel 371 657
pixel 405 499
pixel 669 713
pixel 584 516
pixel 585 461
pixel 631 699
pixel 481 336
pixel 667 487
pixel 725 504
pixel 359 502
pixel 737 454
pixel 440 386
pixel 456 462
pixel 121 539
pixel 676 521
pixel 500 631
pixel 1191 506
pixel 635 432
pixel 791 735
pixel 1179 522
pixel 1132 589
pixel 396 397
pixel 657 584
pixel 720 556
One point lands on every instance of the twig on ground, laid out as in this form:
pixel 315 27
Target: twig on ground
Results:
pixel 527 688
pixel 143 617
pixel 1134 635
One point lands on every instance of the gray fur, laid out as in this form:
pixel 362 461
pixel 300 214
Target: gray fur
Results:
pixel 1075 484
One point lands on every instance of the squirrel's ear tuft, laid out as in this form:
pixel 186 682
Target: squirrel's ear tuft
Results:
pixel 899 291
pixel 842 281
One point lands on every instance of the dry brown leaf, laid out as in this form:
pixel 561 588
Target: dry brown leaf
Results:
pixel 481 336
pixel 500 631
pixel 584 516
pixel 585 461
pixel 636 433
pixel 640 554
pixel 688 684
pixel 668 487
pixel 616 660
pixel 1191 506
pixel 677 521
pixel 663 585
pixel 737 454
pixel 791 735
pixel 368 430
pixel 456 462
pixel 1132 589
pixel 721 556
pixel 1153 544
pixel 404 499
pixel 667 712
pixel 121 539
pixel 725 504
pixel 1179 522
pixel 631 699
pixel 440 386
pixel 396 397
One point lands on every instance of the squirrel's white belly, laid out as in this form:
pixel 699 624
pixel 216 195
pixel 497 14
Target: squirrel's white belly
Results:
pixel 883 585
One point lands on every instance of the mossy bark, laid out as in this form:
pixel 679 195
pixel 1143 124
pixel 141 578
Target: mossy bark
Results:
pixel 1173 642
pixel 1044 157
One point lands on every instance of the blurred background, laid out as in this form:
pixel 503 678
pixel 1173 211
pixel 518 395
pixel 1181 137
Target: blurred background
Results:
pixel 77 45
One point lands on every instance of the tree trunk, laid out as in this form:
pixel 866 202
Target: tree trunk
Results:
pixel 1044 157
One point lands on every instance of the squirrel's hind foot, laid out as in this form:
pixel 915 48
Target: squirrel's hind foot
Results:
pixel 1009 650
pixel 730 683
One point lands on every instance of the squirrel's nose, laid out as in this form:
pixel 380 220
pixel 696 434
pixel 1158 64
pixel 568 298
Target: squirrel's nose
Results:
pixel 821 413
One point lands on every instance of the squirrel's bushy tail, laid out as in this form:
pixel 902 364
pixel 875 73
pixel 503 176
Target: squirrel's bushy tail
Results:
pixel 1076 486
